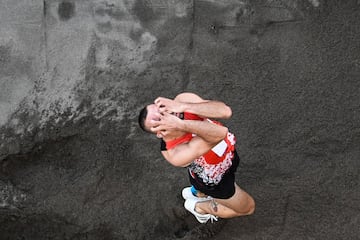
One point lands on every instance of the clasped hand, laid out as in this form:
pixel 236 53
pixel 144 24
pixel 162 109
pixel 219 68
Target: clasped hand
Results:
pixel 168 121
pixel 169 105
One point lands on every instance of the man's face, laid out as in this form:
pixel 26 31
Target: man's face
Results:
pixel 152 114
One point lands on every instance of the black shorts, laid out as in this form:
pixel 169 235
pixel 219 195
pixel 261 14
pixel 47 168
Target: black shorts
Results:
pixel 225 188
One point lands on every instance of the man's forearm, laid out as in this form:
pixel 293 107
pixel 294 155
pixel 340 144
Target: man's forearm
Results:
pixel 193 103
pixel 209 109
pixel 210 132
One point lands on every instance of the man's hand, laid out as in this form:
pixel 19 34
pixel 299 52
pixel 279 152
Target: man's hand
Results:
pixel 169 105
pixel 167 124
pixel 192 103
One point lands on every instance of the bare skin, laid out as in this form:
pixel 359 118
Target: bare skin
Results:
pixel 240 204
pixel 166 125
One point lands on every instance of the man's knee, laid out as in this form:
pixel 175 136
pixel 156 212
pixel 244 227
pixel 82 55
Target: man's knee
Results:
pixel 247 202
pixel 248 207
pixel 251 206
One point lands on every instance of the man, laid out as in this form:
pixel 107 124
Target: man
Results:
pixel 191 139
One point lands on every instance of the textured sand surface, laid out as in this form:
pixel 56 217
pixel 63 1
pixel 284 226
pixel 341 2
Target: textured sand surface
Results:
pixel 74 74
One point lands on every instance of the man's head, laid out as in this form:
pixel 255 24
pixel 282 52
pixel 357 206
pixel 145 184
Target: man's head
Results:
pixel 148 113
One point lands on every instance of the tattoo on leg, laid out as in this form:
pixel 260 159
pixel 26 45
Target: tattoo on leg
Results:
pixel 214 204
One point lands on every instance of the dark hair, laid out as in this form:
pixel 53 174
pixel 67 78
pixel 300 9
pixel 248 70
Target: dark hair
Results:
pixel 142 117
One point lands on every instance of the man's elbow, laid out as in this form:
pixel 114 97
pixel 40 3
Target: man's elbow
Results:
pixel 222 135
pixel 176 162
pixel 225 132
pixel 227 112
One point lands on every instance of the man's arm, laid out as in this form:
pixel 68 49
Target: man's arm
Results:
pixel 192 103
pixel 207 136
pixel 183 154
pixel 207 130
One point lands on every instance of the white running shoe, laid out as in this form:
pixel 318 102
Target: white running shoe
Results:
pixel 202 218
pixel 188 193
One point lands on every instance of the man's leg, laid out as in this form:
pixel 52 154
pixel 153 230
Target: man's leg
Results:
pixel 240 204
